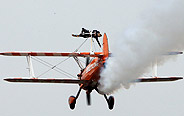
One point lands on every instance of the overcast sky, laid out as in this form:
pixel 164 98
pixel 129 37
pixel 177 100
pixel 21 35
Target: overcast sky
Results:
pixel 47 25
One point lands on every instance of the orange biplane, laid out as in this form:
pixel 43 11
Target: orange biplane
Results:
pixel 87 78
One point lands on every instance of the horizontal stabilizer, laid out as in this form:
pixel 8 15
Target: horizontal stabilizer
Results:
pixel 36 80
pixel 69 54
pixel 158 79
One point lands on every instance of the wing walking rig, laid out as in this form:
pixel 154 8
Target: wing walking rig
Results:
pixel 90 74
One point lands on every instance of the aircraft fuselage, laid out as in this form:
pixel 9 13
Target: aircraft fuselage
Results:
pixel 92 73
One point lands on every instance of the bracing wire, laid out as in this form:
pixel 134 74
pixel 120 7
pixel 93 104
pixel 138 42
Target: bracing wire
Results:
pixel 80 45
pixel 53 67
pixel 94 46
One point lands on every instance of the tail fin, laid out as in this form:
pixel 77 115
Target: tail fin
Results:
pixel 105 46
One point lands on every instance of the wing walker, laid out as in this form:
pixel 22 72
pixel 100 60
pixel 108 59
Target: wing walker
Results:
pixel 89 75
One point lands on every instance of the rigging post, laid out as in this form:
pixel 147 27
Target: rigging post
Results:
pixel 154 68
pixel 30 67
pixel 91 51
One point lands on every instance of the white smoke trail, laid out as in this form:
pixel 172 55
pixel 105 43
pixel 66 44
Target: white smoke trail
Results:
pixel 161 30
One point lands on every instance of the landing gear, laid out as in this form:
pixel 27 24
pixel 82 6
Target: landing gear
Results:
pixel 72 100
pixel 110 101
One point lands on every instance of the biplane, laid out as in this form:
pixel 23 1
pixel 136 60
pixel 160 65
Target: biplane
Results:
pixel 88 77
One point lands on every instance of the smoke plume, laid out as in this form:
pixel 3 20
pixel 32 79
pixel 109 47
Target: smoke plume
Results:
pixel 160 30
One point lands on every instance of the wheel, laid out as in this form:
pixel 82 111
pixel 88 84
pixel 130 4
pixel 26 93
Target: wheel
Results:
pixel 111 102
pixel 72 101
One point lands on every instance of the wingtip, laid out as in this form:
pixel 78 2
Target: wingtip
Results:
pixel 177 78
pixel 180 77
pixel 6 79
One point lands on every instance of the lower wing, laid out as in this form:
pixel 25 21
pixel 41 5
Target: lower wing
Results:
pixel 76 81
pixel 158 79
pixel 36 80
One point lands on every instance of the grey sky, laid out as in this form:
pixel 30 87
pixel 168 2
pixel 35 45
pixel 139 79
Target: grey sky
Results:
pixel 47 25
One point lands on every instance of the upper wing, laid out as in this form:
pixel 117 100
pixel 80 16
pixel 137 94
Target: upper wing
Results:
pixel 36 80
pixel 158 79
pixel 69 54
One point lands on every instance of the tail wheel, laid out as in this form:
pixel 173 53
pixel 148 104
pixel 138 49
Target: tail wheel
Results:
pixel 111 102
pixel 72 102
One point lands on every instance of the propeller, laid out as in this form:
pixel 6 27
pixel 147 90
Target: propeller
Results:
pixel 88 97
pixel 87 61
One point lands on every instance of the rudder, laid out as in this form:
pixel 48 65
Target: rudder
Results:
pixel 105 46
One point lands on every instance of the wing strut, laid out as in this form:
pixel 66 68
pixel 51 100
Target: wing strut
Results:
pixel 154 68
pixel 78 62
pixel 30 67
